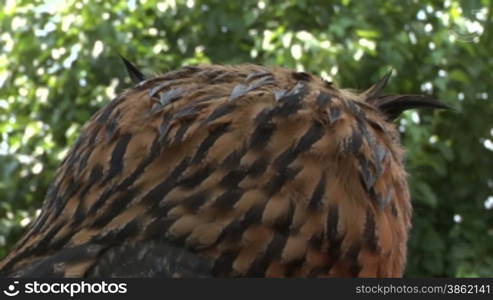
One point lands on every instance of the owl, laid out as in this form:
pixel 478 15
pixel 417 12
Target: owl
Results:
pixel 229 171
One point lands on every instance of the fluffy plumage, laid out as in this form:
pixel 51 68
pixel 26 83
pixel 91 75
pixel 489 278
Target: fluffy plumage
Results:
pixel 228 171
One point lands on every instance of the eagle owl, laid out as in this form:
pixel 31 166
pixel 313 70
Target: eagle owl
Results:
pixel 228 171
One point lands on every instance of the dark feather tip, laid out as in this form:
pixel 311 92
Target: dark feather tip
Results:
pixel 393 105
pixel 376 89
pixel 134 73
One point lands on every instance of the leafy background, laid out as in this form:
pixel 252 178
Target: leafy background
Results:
pixel 59 63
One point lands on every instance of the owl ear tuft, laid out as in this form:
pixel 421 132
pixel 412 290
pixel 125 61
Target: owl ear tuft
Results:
pixel 135 74
pixel 377 89
pixel 393 105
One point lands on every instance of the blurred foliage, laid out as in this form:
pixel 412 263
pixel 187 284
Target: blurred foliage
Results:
pixel 59 63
